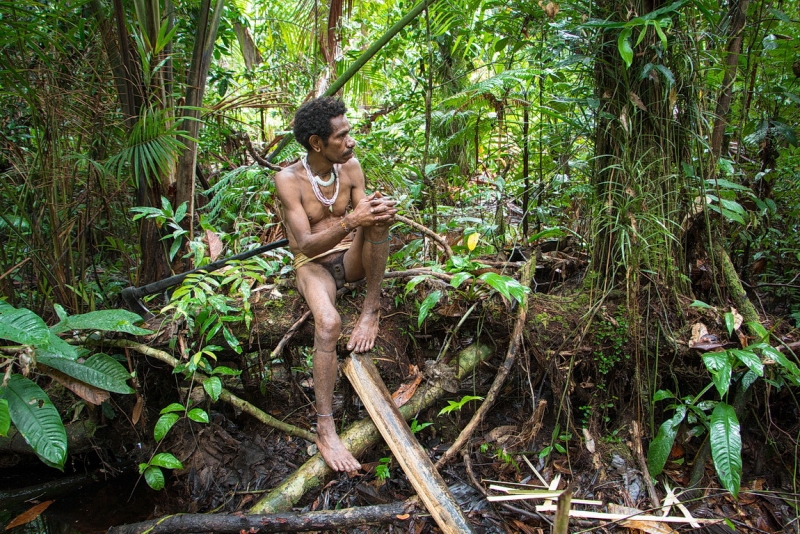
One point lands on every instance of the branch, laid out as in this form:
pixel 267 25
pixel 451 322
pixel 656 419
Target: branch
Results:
pixel 430 233
pixel 345 518
pixel 226 395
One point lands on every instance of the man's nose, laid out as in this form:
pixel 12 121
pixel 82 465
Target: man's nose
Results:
pixel 351 143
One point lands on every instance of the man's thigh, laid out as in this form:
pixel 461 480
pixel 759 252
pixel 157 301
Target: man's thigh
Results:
pixel 317 286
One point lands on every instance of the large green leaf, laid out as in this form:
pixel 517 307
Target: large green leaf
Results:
pixel 5 418
pixel 36 419
pixel 23 326
pixel 100 370
pixel 106 320
pixel 726 446
pixel 430 301
pixel 720 366
pixel 661 446
pixel 57 348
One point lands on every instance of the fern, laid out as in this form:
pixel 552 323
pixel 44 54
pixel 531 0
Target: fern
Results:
pixel 242 192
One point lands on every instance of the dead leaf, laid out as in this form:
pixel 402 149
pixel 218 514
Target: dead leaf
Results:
pixel 496 434
pixel 407 390
pixel 214 245
pixel 589 440
pixel 137 409
pixel 90 394
pixel 737 319
pixel 29 515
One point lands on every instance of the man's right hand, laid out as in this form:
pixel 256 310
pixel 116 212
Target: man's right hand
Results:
pixel 374 209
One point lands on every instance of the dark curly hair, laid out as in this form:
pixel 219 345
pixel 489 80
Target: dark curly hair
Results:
pixel 314 118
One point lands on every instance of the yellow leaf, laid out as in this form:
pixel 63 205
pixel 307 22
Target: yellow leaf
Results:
pixel 472 241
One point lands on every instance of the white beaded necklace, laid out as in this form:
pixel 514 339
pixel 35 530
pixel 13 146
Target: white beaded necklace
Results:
pixel 316 182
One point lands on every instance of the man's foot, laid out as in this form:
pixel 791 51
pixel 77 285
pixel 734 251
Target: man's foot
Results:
pixel 365 332
pixel 332 449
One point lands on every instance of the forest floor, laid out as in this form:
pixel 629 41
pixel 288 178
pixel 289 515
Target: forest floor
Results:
pixel 567 416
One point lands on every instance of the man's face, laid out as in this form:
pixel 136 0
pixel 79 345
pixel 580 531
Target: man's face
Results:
pixel 339 147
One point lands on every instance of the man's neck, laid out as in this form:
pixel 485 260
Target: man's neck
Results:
pixel 319 165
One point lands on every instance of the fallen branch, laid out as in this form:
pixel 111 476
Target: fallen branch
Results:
pixel 359 437
pixel 225 395
pixel 502 373
pixel 289 334
pixel 284 522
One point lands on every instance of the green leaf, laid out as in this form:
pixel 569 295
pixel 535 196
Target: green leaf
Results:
pixel 661 446
pixel 624 46
pixel 213 387
pixel 223 370
pixel 730 322
pixel 750 359
pixel 231 339
pixel 57 348
pixel 154 478
pixel 164 424
pixel 100 370
pixel 778 357
pixel 459 278
pixel 23 326
pixel 105 320
pixel 662 394
pixel 430 301
pixel 167 460
pixel 174 407
pixel 726 446
pixel 5 418
pixel 198 415
pixel 36 419
pixel 720 366
pixel 507 286
pixel 414 282
pixel 701 304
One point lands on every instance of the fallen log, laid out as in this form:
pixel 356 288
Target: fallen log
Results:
pixel 282 522
pixel 80 435
pixel 359 437
pixel 416 464
pixel 47 490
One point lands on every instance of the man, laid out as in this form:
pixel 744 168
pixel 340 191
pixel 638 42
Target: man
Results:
pixel 338 234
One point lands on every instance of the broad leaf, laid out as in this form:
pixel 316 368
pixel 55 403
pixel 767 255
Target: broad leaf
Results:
pixel 198 415
pixel 427 304
pixel 726 446
pixel 164 423
pixel 36 419
pixel 507 286
pixel 91 394
pixel 720 367
pixel 213 387
pixel 750 359
pixel 154 478
pixel 625 47
pixel 661 446
pixel 100 370
pixel 57 348
pixel 459 278
pixel 165 459
pixel 5 418
pixel 23 326
pixel 174 407
pixel 105 320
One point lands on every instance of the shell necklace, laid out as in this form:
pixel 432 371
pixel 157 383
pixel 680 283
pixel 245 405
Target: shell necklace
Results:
pixel 316 182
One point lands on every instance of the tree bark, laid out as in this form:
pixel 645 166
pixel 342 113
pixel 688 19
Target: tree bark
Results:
pixel 283 522
pixel 359 437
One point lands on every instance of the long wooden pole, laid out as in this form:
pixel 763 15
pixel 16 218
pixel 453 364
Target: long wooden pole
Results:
pixel 416 464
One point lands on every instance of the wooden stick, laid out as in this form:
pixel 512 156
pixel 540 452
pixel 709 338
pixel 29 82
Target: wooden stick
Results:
pixel 502 373
pixel 416 464
pixel 622 517
pixel 639 453
pixel 288 335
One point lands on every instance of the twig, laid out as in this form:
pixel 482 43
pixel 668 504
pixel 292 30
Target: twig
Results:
pixel 225 395
pixel 430 233
pixel 288 335
pixel 639 453
pixel 501 375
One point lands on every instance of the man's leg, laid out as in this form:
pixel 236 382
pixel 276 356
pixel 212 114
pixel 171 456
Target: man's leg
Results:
pixel 373 245
pixel 319 289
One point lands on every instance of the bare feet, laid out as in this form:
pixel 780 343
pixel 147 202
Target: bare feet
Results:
pixel 366 330
pixel 332 449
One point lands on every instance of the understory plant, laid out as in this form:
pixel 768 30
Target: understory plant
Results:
pixel 38 351
pixel 732 371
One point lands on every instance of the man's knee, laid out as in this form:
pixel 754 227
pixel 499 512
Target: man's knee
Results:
pixel 329 324
pixel 375 234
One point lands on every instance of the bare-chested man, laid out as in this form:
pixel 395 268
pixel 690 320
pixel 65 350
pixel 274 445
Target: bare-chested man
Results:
pixel 338 234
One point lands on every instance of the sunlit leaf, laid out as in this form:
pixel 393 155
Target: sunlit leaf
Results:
pixel 726 446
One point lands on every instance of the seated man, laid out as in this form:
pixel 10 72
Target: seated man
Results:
pixel 338 234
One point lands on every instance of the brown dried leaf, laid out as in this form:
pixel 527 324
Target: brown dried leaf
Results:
pixel 407 389
pixel 137 409
pixel 214 245
pixel 29 515
pixel 90 394
pixel 650 527
pixel 637 101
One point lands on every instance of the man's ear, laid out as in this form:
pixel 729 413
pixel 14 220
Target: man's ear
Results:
pixel 316 143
